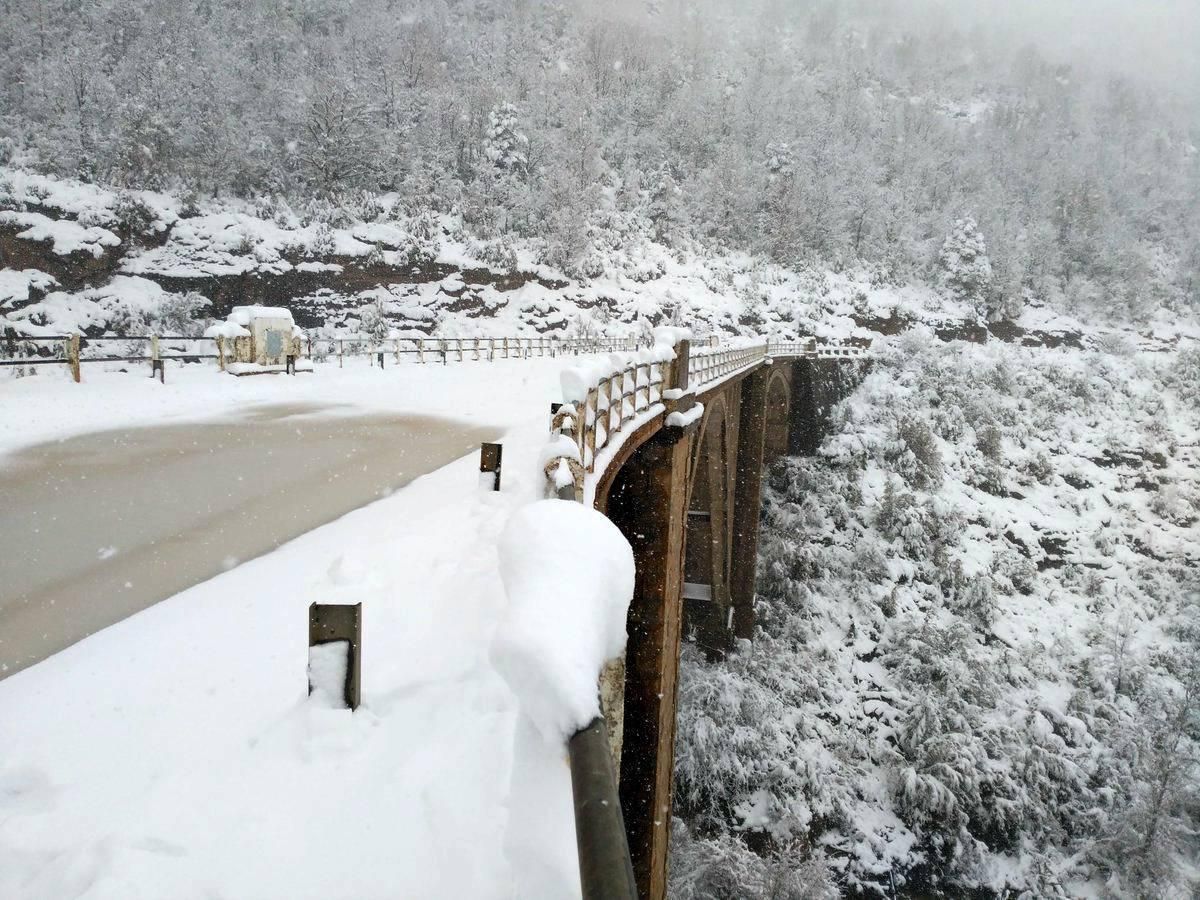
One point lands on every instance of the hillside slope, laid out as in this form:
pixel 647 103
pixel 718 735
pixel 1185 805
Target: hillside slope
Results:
pixel 76 256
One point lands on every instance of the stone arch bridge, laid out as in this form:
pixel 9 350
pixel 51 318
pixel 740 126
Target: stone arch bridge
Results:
pixel 672 447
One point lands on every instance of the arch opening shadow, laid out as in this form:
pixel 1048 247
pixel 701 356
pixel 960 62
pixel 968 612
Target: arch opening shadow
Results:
pixel 777 430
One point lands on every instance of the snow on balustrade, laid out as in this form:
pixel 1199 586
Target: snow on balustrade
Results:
pixel 710 364
pixel 615 393
pixel 613 390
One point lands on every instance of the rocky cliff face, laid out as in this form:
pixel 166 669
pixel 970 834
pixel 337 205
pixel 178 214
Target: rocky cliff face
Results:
pixel 78 257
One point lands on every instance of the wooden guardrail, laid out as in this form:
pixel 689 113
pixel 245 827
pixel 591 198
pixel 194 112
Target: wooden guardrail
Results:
pixel 458 349
pixel 74 349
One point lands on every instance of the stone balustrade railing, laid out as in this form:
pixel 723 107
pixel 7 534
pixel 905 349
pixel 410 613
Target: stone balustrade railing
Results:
pixel 604 399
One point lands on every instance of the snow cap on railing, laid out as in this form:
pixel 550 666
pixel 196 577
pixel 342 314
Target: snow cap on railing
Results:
pixel 568 573
pixel 670 335
pixel 577 380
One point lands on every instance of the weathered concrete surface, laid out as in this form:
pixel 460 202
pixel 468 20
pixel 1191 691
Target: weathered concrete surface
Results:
pixel 100 526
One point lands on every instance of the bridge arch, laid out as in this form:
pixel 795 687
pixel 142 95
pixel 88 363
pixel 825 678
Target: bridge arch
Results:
pixel 709 536
pixel 778 413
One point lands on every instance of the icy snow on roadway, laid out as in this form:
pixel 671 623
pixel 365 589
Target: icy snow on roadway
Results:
pixel 177 754
pixel 104 524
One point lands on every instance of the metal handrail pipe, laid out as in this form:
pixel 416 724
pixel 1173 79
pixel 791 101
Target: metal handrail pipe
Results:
pixel 605 866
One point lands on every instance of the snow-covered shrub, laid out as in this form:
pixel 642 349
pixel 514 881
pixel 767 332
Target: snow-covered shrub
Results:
pixel 128 320
pixel 723 867
pixel 373 257
pixel 990 442
pixel 1014 571
pixel 504 144
pixel 181 314
pixel 132 214
pixel 497 254
pixel 319 210
pixel 8 197
pixel 1040 468
pixel 189 204
pixel 915 454
pixel 373 324
pixel 363 206
pixel 1114 344
pixel 322 242
pixel 1184 374
pixel 425 233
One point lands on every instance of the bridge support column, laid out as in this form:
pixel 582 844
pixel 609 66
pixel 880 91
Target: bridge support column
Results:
pixel 747 500
pixel 648 502
pixel 818 386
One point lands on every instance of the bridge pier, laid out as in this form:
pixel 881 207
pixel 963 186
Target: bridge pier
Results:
pixel 648 502
pixel 708 541
pixel 747 499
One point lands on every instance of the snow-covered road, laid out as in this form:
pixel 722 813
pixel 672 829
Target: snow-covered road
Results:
pixel 101 525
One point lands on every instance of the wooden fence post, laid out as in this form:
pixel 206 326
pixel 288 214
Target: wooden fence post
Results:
pixel 157 366
pixel 220 353
pixel 73 356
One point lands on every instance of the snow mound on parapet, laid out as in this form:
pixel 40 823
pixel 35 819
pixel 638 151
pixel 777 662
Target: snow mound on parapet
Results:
pixel 568 572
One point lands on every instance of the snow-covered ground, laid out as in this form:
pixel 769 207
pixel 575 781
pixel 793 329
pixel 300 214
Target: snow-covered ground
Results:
pixel 177 754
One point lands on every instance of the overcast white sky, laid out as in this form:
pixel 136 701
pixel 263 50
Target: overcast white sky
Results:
pixel 1156 39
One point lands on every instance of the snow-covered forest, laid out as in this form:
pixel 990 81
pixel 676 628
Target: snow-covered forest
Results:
pixel 978 666
pixel 831 134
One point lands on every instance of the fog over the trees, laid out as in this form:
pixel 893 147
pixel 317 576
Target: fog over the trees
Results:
pixel 829 134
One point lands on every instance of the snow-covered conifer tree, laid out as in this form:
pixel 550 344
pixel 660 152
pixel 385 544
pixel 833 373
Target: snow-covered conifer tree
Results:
pixel 966 269
pixel 504 144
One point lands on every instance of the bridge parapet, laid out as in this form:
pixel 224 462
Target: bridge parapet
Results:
pixel 850 348
pixel 711 364
pixel 613 395
pixel 602 399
